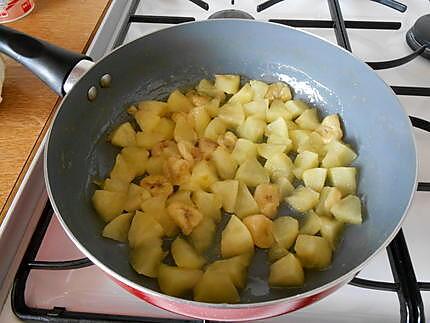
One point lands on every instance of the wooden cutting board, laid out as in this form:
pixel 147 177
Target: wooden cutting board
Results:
pixel 28 104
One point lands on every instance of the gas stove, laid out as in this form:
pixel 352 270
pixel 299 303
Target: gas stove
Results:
pixel 44 277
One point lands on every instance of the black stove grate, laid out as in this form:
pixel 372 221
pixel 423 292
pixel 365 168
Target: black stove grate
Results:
pixel 405 283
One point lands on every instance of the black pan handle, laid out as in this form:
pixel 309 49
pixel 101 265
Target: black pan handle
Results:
pixel 48 62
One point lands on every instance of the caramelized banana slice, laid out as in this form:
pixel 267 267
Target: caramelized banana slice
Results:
pixel 177 170
pixel 157 185
pixel 186 216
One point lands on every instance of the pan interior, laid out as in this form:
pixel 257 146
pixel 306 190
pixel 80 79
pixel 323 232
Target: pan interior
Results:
pixel 325 76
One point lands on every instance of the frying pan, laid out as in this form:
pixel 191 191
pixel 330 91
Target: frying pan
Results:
pixel 152 66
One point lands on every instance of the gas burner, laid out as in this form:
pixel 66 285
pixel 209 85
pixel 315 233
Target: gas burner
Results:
pixel 231 13
pixel 419 35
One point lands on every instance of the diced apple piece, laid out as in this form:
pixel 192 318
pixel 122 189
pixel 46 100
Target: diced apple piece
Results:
pixel 177 102
pixel 227 83
pixel 245 203
pixel 108 204
pixel 236 238
pixel 227 192
pixel 252 173
pixel 269 150
pixel 256 108
pixel 216 287
pixel 154 205
pixel 184 131
pixel 147 257
pixel 313 251
pixel 135 196
pixel 268 198
pixel 123 136
pixel 303 199
pixel 207 87
pixel 338 154
pixel 204 174
pixel 144 228
pixel 311 224
pixel 252 128
pixel 232 268
pixel 278 90
pixel 279 166
pixel 299 137
pixel 308 120
pixel 304 160
pixel 243 150
pixel 331 230
pixel 285 186
pixel 287 271
pixel 224 163
pixel 203 234
pixel 122 170
pixel 280 140
pixel 329 196
pixel 245 95
pixel 197 99
pixel 313 143
pixel 285 230
pixel 200 119
pixel 209 204
pixel 169 226
pixel 348 210
pixel 344 178
pixel 212 107
pixel 296 107
pixel 186 216
pixel 115 185
pixel 260 89
pixel 148 139
pixel 165 128
pixel 147 121
pixel 136 158
pixel 155 107
pixel 185 255
pixel 330 129
pixel 215 128
pixel 277 110
pixel 180 196
pixel 276 252
pixel 260 228
pixel 166 148
pixel 155 165
pixel 232 114
pixel 314 178
pixel 117 229
pixel 277 127
pixel 175 281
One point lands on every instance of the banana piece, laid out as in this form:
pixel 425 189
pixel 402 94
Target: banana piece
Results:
pixel 186 216
pixel 157 185
pixel 278 90
pixel 207 147
pixel 268 198
pixel 227 140
pixel 165 148
pixel 189 152
pixel 177 170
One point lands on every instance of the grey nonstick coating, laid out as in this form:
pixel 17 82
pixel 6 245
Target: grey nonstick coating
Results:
pixel 324 75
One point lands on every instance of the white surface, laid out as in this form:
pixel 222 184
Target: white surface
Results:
pixel 90 290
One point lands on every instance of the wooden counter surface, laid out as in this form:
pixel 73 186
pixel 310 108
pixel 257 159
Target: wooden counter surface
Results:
pixel 27 103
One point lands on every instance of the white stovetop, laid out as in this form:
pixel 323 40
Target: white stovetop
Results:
pixel 89 289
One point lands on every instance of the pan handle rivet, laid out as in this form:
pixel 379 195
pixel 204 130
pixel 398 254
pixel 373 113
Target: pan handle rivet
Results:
pixel 92 93
pixel 105 80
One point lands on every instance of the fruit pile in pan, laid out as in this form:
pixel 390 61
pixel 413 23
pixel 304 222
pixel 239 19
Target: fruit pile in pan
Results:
pixel 221 150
